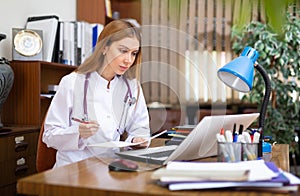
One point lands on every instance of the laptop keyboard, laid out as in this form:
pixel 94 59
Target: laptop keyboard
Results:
pixel 159 154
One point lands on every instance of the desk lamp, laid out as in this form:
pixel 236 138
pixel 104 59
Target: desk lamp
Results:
pixel 238 75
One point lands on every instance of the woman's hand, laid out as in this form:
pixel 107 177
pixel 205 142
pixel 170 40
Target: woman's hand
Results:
pixel 88 129
pixel 145 141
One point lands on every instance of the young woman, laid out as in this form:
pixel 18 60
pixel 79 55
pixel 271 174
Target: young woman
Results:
pixel 100 100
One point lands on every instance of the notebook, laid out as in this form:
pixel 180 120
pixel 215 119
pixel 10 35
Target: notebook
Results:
pixel 200 143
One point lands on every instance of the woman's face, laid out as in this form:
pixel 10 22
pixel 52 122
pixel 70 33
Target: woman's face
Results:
pixel 120 56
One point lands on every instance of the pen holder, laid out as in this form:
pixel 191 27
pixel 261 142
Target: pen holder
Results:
pixel 249 151
pixel 229 152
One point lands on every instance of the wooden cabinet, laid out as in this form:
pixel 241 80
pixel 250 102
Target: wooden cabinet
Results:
pixel 23 113
pixel 25 105
pixel 93 11
pixel 17 156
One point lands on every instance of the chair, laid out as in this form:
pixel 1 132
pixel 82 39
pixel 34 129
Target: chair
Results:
pixel 45 157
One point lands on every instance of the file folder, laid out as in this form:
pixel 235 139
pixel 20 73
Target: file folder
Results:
pixel 49 26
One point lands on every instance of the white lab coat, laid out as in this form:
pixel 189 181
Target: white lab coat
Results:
pixel 104 105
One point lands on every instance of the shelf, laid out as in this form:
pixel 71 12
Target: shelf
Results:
pixel 24 105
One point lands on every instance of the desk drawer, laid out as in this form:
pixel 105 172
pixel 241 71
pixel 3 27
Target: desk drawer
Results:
pixel 18 145
pixel 12 170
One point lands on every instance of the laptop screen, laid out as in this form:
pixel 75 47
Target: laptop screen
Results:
pixel 201 142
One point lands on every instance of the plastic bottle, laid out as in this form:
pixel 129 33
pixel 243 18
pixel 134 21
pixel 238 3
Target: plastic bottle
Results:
pixel 267 150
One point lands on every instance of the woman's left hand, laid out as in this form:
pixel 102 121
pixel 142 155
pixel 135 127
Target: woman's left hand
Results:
pixel 145 141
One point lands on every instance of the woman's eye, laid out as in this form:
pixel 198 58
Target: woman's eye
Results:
pixel 123 51
pixel 134 53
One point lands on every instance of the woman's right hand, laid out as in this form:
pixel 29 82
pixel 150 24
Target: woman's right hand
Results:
pixel 88 129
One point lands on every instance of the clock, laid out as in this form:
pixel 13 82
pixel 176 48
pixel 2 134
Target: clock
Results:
pixel 27 44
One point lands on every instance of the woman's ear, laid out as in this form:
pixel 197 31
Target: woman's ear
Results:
pixel 105 50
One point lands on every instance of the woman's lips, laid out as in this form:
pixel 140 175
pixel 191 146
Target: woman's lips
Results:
pixel 123 68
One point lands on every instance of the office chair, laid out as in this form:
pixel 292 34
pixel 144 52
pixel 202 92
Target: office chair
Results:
pixel 45 157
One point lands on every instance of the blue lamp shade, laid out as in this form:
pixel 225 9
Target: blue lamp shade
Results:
pixel 238 74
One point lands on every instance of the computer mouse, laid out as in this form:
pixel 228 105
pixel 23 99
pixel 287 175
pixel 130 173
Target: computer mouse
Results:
pixel 123 165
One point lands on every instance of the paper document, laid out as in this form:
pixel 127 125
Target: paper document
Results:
pixel 121 144
pixel 258 169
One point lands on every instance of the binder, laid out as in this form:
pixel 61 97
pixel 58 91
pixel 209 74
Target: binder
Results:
pixel 49 25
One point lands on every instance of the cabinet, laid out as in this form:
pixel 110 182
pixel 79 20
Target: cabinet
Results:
pixel 93 11
pixel 17 156
pixel 25 105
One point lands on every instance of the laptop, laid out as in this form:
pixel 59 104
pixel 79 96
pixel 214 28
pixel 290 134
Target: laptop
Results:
pixel 201 142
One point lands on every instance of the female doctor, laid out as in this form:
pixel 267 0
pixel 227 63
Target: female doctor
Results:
pixel 100 100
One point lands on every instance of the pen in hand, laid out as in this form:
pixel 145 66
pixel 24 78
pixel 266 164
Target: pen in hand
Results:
pixel 86 128
pixel 83 121
pixel 80 121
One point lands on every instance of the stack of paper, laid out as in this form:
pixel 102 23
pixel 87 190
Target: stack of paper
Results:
pixel 241 175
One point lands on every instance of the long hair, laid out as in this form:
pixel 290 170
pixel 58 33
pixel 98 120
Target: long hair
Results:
pixel 113 31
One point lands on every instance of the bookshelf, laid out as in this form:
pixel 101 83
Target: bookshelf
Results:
pixel 25 105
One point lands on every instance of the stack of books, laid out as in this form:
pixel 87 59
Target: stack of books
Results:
pixel 252 175
pixel 178 133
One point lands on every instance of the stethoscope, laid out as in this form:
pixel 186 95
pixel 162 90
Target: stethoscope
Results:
pixel 127 99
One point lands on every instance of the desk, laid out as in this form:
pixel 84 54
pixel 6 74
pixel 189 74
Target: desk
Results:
pixel 91 177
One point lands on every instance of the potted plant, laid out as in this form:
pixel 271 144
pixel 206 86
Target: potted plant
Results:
pixel 280 56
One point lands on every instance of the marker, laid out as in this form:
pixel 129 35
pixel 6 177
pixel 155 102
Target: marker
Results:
pixel 234 133
pixel 228 136
pixel 241 129
pixel 220 138
pixel 222 131
pixel 247 137
pixel 256 137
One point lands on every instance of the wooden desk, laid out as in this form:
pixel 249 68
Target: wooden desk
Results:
pixel 91 177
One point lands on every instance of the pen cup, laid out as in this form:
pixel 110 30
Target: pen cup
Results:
pixel 249 151
pixel 229 151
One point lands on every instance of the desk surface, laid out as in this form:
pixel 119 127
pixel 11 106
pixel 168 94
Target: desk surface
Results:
pixel 91 177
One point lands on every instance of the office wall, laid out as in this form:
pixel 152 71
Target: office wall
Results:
pixel 14 14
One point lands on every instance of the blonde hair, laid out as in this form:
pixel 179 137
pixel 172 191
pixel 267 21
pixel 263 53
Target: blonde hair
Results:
pixel 113 31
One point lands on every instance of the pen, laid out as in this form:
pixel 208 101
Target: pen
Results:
pixel 80 121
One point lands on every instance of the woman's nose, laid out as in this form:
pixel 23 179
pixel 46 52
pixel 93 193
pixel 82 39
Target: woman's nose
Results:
pixel 128 58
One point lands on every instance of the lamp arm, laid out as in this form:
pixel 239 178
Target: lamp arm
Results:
pixel 265 102
pixel 264 106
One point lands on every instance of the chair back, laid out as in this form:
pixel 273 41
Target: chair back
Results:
pixel 45 157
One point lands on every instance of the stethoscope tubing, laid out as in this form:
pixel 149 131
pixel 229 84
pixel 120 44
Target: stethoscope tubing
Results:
pixel 131 101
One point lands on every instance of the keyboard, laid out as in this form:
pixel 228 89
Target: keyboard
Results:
pixel 158 154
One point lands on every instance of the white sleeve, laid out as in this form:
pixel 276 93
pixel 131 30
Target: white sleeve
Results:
pixel 59 133
pixel 139 121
